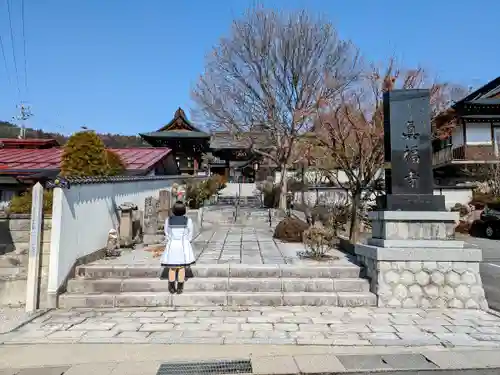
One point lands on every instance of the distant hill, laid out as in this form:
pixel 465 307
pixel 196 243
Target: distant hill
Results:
pixel 8 130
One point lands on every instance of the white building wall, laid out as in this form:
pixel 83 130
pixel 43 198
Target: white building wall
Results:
pixel 83 215
pixel 329 196
pixel 243 189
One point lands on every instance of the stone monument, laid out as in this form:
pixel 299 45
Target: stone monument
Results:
pixel 413 258
pixel 151 223
pixel 164 205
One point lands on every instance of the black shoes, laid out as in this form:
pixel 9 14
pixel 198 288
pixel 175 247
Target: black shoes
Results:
pixel 180 288
pixel 171 287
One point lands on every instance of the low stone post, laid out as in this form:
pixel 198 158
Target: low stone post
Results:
pixel 34 249
pixel 126 234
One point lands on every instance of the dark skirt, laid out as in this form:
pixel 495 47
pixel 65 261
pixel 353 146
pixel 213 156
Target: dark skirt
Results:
pixel 177 265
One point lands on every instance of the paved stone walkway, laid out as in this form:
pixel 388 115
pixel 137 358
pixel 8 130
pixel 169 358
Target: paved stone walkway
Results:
pixel 235 245
pixel 265 325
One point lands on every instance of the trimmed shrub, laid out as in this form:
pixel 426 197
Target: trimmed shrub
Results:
pixel 318 241
pixel 290 229
pixel 21 204
pixel 197 192
pixel 479 200
pixel 334 216
pixel 85 155
pixel 461 209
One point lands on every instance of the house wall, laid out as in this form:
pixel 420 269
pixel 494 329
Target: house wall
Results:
pixel 83 215
pixel 479 152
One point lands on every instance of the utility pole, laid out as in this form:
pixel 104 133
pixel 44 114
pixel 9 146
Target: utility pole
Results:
pixel 24 114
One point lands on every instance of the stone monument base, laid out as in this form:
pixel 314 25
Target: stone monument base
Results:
pixel 413 260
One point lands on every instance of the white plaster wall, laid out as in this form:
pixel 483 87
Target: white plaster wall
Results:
pixel 327 196
pixel 315 177
pixel 83 215
pixel 454 196
pixel 235 189
pixel 478 133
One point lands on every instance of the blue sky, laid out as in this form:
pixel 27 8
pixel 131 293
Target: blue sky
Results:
pixel 124 66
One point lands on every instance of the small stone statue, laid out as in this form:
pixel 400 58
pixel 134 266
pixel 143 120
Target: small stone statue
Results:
pixel 112 244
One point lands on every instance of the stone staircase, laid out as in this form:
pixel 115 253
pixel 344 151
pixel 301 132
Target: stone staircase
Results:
pixel 238 264
pixel 235 285
pixel 230 200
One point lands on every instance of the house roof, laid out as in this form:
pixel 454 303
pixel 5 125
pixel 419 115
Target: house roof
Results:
pixel 167 134
pixel 31 142
pixel 29 161
pixel 179 122
pixel 489 91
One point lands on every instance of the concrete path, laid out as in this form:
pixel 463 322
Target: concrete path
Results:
pixel 329 326
pixel 84 359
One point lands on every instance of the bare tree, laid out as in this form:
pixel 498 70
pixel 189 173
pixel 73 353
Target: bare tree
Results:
pixel 348 136
pixel 270 74
pixel 493 180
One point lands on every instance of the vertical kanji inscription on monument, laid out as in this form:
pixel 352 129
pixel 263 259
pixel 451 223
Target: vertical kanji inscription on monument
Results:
pixel 408 151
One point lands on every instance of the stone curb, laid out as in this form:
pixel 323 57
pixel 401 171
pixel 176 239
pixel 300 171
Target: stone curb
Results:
pixel 25 321
pixel 423 363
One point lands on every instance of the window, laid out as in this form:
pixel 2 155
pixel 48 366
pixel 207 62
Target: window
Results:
pixel 478 133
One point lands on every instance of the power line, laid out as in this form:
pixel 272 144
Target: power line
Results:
pixel 5 60
pixel 13 48
pixel 24 49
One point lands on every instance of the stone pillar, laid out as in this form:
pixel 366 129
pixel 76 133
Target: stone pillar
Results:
pixel 151 235
pixel 126 234
pixel 164 205
pixel 413 260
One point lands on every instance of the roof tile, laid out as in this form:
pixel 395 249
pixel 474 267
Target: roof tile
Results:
pixel 49 159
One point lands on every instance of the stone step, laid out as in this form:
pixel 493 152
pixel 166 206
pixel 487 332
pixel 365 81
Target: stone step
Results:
pixel 340 271
pixel 130 299
pixel 220 284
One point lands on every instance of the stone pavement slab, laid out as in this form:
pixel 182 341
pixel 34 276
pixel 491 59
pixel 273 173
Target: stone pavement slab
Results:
pixel 231 245
pixel 282 325
pixel 13 317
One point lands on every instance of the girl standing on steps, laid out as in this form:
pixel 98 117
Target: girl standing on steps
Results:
pixel 178 252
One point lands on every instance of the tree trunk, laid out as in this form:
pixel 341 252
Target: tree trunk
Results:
pixel 354 227
pixel 302 193
pixel 284 187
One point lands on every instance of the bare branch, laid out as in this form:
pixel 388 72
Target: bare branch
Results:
pixel 272 73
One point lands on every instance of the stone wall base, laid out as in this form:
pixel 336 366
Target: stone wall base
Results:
pixel 426 284
pixel 412 263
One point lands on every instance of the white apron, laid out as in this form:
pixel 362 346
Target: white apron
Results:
pixel 178 235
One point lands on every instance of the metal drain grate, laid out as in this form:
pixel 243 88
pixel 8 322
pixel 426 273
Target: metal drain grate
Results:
pixel 206 368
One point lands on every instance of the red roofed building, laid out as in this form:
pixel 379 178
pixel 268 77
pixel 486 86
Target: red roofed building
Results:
pixel 26 161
